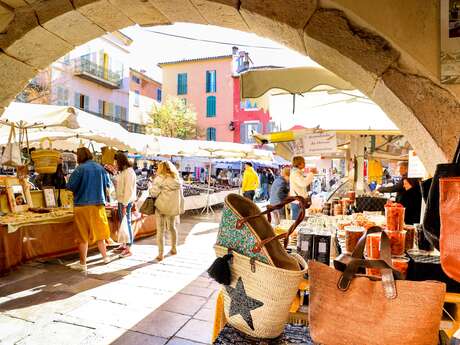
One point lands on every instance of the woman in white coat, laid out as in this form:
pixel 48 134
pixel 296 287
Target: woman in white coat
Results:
pixel 126 191
pixel 167 189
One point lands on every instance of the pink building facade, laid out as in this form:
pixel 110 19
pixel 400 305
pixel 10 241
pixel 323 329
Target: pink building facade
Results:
pixel 210 86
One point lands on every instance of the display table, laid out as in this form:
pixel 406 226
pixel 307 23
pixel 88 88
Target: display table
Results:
pixel 55 236
pixel 195 202
pixel 293 334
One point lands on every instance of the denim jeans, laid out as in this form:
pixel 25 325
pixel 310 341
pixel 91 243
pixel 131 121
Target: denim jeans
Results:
pixel 295 210
pixel 128 218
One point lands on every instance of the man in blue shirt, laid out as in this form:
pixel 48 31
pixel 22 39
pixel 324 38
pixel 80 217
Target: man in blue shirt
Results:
pixel 89 184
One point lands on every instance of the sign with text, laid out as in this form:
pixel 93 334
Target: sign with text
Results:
pixel 315 144
pixel 416 167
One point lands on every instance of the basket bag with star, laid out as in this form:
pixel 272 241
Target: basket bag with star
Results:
pixel 260 278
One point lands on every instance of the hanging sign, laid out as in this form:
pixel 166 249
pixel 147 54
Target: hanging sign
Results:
pixel 416 167
pixel 315 144
pixel 450 41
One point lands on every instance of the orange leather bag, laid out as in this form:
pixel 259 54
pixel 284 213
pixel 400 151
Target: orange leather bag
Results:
pixel 449 211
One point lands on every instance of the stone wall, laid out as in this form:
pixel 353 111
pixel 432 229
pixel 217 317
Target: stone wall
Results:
pixel 387 48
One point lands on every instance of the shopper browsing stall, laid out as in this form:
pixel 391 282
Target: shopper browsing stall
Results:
pixel 126 196
pixel 167 189
pixel 411 199
pixel 89 184
pixel 279 192
pixel 398 186
pixel 299 182
pixel 250 181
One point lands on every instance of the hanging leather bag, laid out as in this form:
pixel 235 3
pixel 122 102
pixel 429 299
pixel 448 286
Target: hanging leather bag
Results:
pixel 346 308
pixel 431 220
pixel 449 243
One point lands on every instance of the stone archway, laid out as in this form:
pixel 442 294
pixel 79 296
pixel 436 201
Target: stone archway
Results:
pixel 352 39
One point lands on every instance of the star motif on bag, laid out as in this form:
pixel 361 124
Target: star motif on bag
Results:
pixel 241 303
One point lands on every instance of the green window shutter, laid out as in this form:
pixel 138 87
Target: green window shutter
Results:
pixel 100 104
pixel 213 81
pixel 211 106
pixel 86 102
pixel 182 84
pixel 76 99
pixel 211 134
pixel 210 81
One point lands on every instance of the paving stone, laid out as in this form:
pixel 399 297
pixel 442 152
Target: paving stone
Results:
pixel 184 304
pixel 162 323
pixel 110 313
pixel 180 341
pixel 197 291
pixel 135 338
pixel 205 314
pixel 56 333
pixel 13 329
pixel 197 330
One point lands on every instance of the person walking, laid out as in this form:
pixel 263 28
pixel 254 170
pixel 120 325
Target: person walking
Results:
pixel 250 181
pixel 167 189
pixel 89 184
pixel 278 192
pixel 299 182
pixel 264 184
pixel 126 192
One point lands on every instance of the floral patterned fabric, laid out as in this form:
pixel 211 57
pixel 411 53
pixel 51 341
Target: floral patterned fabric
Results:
pixel 241 241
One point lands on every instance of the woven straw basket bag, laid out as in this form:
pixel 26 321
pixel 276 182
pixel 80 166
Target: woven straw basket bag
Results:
pixel 270 289
pixel 45 161
pixel 262 278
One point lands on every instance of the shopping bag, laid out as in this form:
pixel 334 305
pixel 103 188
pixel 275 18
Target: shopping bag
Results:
pixel 449 242
pixel 108 155
pixel 347 308
pixel 148 207
pixel 431 220
pixel 12 154
pixel 123 232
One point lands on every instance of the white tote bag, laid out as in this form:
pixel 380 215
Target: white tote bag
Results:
pixel 123 232
pixel 12 154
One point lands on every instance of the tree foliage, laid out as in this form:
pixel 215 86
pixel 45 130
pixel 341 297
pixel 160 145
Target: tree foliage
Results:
pixel 174 119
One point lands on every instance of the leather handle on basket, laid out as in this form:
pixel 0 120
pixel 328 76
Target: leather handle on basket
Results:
pixel 303 205
pixel 384 264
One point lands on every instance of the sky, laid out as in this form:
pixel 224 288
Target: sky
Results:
pixel 149 48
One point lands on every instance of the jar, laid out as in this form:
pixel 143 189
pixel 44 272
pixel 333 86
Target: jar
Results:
pixel 410 236
pixel 352 196
pixel 401 265
pixel 373 246
pixel 352 236
pixel 397 241
pixel 394 214
pixel 375 272
pixel 338 210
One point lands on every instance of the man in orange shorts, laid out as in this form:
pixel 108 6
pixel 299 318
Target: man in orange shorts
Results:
pixel 89 184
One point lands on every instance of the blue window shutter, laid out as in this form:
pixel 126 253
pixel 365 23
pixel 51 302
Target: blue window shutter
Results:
pixel 211 106
pixel 208 81
pixel 179 79
pixel 77 100
pixel 214 81
pixel 182 84
pixel 86 102
pixel 211 134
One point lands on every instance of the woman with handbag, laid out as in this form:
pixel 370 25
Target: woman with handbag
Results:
pixel 169 203
pixel 126 192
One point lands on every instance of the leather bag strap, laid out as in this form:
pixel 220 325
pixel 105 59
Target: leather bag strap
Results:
pixel 303 204
pixel 384 264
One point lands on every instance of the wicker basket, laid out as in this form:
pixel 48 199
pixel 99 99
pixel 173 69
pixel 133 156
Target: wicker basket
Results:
pixel 45 160
pixel 276 288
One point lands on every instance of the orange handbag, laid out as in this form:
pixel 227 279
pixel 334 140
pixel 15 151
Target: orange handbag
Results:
pixel 449 211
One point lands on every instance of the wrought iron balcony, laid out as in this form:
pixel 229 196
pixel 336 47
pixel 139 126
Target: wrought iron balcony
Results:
pixel 89 70
pixel 129 126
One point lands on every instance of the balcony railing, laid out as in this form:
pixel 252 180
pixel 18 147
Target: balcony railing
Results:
pixel 89 70
pixel 129 126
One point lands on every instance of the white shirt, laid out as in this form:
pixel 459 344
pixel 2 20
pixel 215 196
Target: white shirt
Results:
pixel 126 186
pixel 299 182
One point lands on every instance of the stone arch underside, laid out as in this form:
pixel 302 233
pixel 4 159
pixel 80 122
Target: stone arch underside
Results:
pixel 37 32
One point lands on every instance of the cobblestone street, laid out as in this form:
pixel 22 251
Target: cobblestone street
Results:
pixel 133 300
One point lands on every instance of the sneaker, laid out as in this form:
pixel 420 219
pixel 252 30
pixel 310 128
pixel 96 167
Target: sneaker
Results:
pixel 125 253
pixel 78 267
pixel 107 259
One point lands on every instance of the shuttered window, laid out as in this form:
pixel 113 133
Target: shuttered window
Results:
pixel 182 84
pixel 211 81
pixel 211 134
pixel 81 101
pixel 211 106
